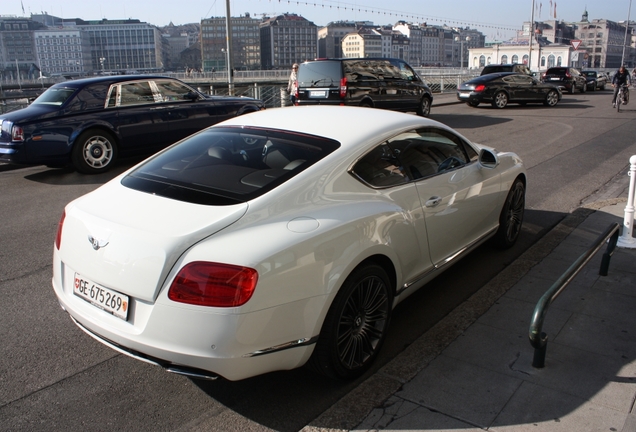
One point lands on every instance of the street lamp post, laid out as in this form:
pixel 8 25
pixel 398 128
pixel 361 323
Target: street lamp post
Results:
pixel 461 51
pixel 629 11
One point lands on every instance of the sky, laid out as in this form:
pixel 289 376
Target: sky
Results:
pixel 497 19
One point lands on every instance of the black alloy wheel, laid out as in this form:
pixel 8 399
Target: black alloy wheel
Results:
pixel 511 217
pixel 355 326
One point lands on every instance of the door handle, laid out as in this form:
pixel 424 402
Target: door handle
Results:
pixel 433 201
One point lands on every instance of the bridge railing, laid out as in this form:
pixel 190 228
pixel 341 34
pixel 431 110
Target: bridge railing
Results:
pixel 267 85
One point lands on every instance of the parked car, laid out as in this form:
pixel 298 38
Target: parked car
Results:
pixel 595 80
pixel 568 78
pixel 500 89
pixel 368 82
pixel 279 238
pixel 90 122
pixel 510 67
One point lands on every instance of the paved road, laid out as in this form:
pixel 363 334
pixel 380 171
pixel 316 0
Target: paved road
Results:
pixel 54 377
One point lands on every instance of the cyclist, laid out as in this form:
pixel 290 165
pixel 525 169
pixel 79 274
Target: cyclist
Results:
pixel 621 78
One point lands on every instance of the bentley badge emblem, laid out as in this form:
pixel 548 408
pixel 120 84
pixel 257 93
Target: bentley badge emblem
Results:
pixel 97 243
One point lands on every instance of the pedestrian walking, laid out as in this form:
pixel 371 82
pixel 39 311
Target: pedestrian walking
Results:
pixel 292 85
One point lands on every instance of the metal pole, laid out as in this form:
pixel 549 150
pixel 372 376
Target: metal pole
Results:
pixel 230 66
pixel 629 11
pixel 626 239
pixel 531 36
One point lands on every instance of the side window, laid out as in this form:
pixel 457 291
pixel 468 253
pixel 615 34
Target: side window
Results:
pixel 413 155
pixel 172 91
pixel 380 168
pixel 523 79
pixel 431 151
pixel 136 93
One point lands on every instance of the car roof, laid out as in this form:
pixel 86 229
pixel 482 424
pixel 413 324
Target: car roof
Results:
pixel 348 125
pixel 107 79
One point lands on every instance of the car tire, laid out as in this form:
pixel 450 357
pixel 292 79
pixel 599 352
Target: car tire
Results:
pixel 473 104
pixel 511 217
pixel 424 109
pixel 593 87
pixel 583 88
pixel 94 152
pixel 500 100
pixel 356 324
pixel 551 99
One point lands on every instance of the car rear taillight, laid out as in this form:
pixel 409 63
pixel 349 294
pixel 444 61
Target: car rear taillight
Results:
pixel 480 88
pixel 213 284
pixel 343 87
pixel 58 236
pixel 567 74
pixel 17 134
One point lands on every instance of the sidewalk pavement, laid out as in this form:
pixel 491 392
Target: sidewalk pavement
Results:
pixel 473 370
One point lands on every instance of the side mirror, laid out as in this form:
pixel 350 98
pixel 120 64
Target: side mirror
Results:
pixel 488 158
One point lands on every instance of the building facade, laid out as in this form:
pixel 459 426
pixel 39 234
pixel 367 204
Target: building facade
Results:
pixel 63 51
pixel 362 43
pixel 246 43
pixel 123 45
pixel 287 39
pixel 330 37
pixel 18 56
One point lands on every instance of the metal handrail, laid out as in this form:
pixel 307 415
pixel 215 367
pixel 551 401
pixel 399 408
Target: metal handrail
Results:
pixel 538 339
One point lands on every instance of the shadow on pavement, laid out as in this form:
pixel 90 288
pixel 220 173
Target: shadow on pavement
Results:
pixel 290 400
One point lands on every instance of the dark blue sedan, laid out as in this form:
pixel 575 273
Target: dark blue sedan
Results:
pixel 90 122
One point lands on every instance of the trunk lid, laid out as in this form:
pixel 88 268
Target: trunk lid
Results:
pixel 128 241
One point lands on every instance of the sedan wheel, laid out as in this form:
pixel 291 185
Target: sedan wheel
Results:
pixel 551 99
pixel 511 216
pixel 94 152
pixel 473 103
pixel 425 107
pixel 500 100
pixel 355 326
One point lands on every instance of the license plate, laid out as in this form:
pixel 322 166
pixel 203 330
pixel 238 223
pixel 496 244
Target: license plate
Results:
pixel 101 297
pixel 555 79
pixel 464 95
pixel 318 93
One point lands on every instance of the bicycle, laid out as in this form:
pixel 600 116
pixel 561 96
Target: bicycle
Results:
pixel 622 97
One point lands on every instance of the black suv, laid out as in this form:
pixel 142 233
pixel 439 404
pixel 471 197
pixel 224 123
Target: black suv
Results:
pixel 511 67
pixel 565 77
pixel 371 82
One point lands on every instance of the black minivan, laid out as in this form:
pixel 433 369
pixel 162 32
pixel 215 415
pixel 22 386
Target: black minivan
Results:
pixel 372 82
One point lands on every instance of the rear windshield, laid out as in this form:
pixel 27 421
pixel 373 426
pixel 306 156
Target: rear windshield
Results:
pixel 589 74
pixel 225 166
pixel 320 74
pixel 556 71
pixel 55 96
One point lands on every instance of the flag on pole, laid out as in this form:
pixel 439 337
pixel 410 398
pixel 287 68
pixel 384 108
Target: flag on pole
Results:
pixel 22 3
pixel 554 10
